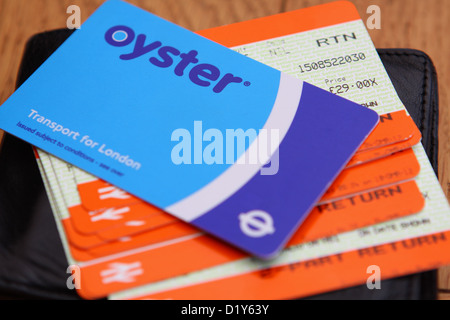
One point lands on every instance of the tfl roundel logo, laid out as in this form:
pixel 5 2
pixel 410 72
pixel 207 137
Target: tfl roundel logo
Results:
pixel 256 223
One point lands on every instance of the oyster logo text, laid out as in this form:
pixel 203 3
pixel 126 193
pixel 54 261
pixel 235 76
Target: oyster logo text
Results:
pixel 201 74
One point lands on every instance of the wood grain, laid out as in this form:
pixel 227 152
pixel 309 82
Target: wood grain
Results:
pixel 416 24
pixel 21 19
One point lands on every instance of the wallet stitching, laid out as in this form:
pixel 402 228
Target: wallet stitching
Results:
pixel 403 53
pixel 424 93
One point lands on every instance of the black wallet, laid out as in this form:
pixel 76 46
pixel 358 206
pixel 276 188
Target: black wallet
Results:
pixel 32 260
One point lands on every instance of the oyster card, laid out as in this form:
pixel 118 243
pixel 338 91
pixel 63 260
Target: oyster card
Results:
pixel 212 137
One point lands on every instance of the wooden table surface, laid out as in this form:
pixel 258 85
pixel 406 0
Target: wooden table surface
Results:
pixel 416 24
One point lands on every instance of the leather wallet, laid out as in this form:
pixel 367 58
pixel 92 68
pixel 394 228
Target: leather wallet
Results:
pixel 32 260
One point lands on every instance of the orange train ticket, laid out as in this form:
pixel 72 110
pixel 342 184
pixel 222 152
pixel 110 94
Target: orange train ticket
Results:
pixel 384 151
pixel 361 210
pixel 325 220
pixel 100 247
pixel 393 127
pixel 199 251
pixel 398 167
pixel 322 274
pixel 93 222
pixel 99 194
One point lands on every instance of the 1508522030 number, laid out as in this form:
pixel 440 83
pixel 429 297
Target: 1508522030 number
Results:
pixel 332 62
